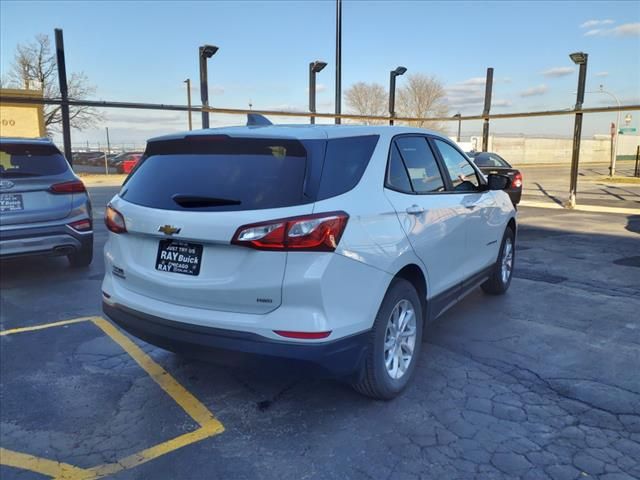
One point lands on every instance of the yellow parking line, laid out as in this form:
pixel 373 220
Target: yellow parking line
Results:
pixel 209 425
pixel 154 452
pixel 185 399
pixel 43 326
pixel 40 465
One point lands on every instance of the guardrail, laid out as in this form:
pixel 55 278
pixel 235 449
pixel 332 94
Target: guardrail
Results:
pixel 343 116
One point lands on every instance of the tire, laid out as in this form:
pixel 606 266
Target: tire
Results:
pixel 376 380
pixel 498 283
pixel 81 258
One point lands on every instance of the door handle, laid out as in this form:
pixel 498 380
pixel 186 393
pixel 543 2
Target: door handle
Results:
pixel 470 206
pixel 415 210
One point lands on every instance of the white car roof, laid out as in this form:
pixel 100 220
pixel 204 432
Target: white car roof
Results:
pixel 300 131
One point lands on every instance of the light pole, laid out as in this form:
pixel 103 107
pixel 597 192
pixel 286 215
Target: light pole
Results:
pixel 392 91
pixel 314 67
pixel 205 52
pixel 459 117
pixel 612 167
pixel 188 82
pixel 338 101
pixel 580 59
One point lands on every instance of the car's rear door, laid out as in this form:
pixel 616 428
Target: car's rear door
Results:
pixel 429 215
pixel 27 174
pixel 189 197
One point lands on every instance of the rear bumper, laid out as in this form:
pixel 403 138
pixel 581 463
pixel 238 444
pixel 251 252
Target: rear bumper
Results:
pixel 49 240
pixel 515 195
pixel 339 358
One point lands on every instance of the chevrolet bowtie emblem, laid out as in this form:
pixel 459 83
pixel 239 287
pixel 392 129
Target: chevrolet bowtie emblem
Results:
pixel 169 229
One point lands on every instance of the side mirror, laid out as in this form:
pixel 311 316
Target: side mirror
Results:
pixel 498 182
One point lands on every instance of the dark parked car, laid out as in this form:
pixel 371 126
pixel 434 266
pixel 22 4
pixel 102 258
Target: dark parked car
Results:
pixel 44 207
pixel 491 163
pixel 86 158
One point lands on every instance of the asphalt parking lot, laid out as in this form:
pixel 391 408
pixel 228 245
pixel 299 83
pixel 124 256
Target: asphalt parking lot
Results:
pixel 541 383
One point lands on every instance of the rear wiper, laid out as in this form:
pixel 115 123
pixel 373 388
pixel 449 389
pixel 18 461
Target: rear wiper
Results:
pixel 195 201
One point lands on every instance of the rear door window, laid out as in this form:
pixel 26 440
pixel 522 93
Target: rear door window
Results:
pixel 20 160
pixel 420 164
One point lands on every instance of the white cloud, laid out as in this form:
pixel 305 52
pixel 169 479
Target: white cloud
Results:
pixel 501 103
pixel 602 74
pixel 474 81
pixel 627 30
pixel 534 91
pixel 595 23
pixel 624 30
pixel 558 72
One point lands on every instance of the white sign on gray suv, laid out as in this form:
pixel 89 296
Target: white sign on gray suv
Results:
pixel 332 245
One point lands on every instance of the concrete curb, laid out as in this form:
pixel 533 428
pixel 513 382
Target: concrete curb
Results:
pixel 581 208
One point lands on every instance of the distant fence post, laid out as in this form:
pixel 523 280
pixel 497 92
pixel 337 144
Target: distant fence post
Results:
pixel 637 170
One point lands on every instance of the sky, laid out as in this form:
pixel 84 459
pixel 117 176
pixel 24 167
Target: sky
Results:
pixel 143 51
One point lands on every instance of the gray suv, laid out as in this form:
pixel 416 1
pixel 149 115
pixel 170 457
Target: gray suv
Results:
pixel 44 207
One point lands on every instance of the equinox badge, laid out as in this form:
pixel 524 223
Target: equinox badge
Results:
pixel 168 229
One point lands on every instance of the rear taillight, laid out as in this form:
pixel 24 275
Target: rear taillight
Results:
pixel 517 180
pixel 74 186
pixel 81 225
pixel 114 220
pixel 317 232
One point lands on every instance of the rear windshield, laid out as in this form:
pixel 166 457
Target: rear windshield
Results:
pixel 19 160
pixel 487 160
pixel 220 173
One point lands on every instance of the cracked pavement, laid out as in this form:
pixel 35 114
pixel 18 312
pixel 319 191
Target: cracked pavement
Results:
pixel 543 383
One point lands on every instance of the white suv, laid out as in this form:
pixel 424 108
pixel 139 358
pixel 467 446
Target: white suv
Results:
pixel 328 244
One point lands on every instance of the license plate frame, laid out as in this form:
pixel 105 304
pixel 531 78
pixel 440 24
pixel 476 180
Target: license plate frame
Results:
pixel 11 202
pixel 177 256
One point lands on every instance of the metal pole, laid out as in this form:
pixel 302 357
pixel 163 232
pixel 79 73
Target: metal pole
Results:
pixel 312 92
pixel 106 159
pixel 637 170
pixel 188 82
pixel 338 100
pixel 577 133
pixel 204 87
pixel 64 94
pixel 487 107
pixel 612 166
pixel 392 96
pixel 611 150
pixel 459 126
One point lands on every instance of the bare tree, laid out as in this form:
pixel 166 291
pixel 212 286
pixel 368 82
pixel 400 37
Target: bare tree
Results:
pixel 367 99
pixel 35 68
pixel 422 96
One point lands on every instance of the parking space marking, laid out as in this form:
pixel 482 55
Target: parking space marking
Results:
pixel 42 466
pixel 208 424
pixel 43 326
pixel 182 397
